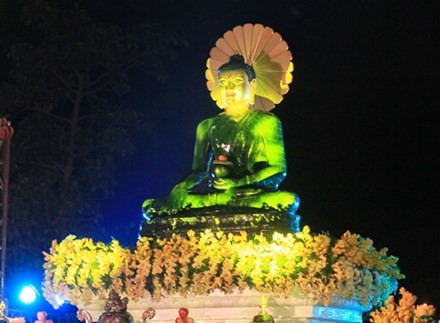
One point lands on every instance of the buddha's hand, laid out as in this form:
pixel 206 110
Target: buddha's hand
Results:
pixel 225 183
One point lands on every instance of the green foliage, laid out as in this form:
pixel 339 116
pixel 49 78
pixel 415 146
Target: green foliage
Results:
pixel 70 132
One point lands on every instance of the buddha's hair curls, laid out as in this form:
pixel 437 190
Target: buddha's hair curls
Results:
pixel 236 62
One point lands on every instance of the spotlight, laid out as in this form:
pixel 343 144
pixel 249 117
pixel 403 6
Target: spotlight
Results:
pixel 28 294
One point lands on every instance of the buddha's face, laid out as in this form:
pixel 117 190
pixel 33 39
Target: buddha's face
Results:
pixel 235 90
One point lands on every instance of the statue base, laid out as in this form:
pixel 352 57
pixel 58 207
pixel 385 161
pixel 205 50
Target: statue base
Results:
pixel 218 307
pixel 221 218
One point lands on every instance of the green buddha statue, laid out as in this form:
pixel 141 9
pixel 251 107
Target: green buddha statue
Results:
pixel 239 158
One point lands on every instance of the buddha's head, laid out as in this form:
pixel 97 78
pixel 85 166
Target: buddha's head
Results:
pixel 236 85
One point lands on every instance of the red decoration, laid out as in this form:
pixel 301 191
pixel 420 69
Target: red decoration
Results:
pixel 183 312
pixel 183 316
pixel 222 158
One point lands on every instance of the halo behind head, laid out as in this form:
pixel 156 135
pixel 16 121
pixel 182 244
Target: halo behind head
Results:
pixel 263 50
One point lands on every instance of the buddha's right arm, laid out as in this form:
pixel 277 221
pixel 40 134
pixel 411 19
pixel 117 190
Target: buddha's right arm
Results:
pixel 200 157
pixel 201 147
pixel 188 181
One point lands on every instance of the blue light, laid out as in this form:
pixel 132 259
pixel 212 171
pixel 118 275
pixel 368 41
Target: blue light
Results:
pixel 146 216
pixel 28 294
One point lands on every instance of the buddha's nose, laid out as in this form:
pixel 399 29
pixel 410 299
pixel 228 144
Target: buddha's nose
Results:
pixel 231 85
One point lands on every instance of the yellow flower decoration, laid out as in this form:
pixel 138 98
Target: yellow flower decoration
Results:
pixel 80 270
pixel 404 310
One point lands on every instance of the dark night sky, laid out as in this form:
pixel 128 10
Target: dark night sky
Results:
pixel 359 125
pixel 359 128
pixel 358 122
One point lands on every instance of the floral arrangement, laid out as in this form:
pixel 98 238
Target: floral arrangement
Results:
pixel 403 311
pixel 16 319
pixel 316 265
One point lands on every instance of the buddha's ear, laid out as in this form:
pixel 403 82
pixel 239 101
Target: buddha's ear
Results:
pixel 252 91
pixel 215 95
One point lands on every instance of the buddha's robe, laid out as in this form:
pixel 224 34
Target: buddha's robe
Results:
pixel 252 147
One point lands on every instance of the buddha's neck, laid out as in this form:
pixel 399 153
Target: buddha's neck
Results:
pixel 237 110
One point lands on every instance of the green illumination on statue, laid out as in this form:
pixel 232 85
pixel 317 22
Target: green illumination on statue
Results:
pixel 239 158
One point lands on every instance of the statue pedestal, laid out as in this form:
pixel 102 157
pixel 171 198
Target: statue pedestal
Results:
pixel 218 307
pixel 229 219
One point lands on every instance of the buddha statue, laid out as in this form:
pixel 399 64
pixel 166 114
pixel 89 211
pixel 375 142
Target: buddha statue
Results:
pixel 239 159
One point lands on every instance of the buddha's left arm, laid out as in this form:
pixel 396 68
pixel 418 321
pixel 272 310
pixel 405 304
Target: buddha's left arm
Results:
pixel 269 163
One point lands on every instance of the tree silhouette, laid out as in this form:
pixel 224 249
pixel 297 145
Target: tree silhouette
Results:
pixel 62 97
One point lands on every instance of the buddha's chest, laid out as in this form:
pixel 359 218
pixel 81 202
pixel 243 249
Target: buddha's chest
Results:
pixel 229 138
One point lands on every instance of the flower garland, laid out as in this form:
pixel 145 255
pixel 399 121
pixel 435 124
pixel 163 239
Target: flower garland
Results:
pixel 404 310
pixel 319 266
